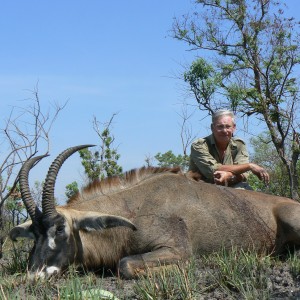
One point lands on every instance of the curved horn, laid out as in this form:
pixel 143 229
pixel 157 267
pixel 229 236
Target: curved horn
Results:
pixel 48 201
pixel 24 186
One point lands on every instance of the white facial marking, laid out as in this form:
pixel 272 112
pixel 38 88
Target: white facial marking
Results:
pixel 51 236
pixel 42 274
pixel 52 270
pixel 51 243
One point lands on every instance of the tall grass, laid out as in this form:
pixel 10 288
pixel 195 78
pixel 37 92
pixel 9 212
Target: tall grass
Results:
pixel 171 282
pixel 294 263
pixel 241 273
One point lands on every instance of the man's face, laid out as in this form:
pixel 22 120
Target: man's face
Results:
pixel 223 129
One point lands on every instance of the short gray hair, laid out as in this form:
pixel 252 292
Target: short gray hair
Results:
pixel 221 113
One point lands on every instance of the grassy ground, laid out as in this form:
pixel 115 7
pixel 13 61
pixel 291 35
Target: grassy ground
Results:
pixel 224 275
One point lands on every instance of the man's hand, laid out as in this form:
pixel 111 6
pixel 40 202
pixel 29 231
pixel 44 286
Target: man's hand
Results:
pixel 260 172
pixel 223 178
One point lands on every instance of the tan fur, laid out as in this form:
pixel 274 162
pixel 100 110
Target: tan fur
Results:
pixel 175 215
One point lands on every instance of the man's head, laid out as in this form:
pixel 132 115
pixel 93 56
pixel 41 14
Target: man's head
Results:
pixel 223 126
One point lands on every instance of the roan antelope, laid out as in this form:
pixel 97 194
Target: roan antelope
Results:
pixel 148 218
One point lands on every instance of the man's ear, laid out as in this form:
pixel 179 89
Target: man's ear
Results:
pixel 234 128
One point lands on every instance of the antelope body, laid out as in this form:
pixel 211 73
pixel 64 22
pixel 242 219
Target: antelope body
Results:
pixel 149 218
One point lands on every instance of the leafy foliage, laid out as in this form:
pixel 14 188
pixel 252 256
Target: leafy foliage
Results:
pixel 169 159
pixel 103 163
pixel 71 189
pixel 204 82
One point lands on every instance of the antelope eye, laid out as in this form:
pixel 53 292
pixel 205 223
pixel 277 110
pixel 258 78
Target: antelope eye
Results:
pixel 60 229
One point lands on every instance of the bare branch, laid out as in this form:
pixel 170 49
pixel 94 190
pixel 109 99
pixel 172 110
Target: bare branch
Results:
pixel 25 133
pixel 186 132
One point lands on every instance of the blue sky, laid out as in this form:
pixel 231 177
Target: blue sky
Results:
pixel 104 57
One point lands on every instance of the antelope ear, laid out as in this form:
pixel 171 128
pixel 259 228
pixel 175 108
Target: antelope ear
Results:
pixel 24 230
pixel 90 221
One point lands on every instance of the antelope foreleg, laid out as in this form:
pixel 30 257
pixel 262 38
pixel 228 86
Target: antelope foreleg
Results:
pixel 139 265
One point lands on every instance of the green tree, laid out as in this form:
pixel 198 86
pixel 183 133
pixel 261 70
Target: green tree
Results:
pixel 169 159
pixel 71 189
pixel 101 163
pixel 252 51
pixel 204 81
pixel 14 206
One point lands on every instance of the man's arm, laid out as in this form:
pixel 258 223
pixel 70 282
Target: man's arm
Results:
pixel 202 161
pixel 237 170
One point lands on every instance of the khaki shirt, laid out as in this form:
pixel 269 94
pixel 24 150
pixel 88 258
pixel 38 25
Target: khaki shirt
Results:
pixel 205 157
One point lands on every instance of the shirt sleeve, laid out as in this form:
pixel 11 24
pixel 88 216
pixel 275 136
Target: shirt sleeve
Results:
pixel 204 161
pixel 242 156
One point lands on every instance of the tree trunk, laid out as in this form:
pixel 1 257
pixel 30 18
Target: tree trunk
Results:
pixel 1 231
pixel 295 178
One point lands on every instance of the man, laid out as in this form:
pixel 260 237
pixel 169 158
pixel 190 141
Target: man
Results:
pixel 221 158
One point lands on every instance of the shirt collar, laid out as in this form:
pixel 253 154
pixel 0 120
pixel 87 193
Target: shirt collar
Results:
pixel 232 142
